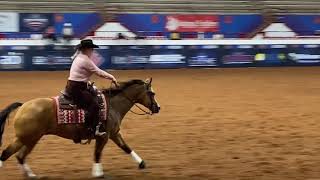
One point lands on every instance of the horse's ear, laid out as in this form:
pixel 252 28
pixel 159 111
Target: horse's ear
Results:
pixel 149 81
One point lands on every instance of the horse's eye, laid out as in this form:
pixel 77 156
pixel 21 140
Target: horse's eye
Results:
pixel 151 93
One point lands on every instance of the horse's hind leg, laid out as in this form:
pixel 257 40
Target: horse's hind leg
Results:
pixel 10 150
pixel 21 157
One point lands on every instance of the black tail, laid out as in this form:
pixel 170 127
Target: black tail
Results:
pixel 4 115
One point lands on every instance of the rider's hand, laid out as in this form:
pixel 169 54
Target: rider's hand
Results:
pixel 114 80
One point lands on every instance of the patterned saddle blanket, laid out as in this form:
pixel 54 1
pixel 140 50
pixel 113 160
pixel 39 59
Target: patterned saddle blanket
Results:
pixel 69 113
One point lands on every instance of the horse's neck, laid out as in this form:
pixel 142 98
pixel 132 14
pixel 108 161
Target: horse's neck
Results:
pixel 122 103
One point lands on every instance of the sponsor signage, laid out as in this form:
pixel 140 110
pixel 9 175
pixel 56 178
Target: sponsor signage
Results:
pixel 192 23
pixel 12 60
pixel 9 22
pixel 202 55
pixel 35 22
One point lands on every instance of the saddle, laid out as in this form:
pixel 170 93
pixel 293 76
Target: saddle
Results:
pixel 66 101
pixel 69 113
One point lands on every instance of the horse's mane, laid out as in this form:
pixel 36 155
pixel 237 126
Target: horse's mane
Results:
pixel 112 91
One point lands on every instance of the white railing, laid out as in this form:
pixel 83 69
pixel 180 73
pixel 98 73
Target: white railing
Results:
pixel 166 42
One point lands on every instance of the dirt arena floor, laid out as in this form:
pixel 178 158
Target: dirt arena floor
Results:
pixel 219 124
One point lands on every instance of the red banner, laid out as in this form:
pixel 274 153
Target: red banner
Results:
pixel 192 23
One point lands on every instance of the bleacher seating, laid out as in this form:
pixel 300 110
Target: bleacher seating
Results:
pixel 183 6
pixel 291 6
pixel 36 6
pixel 163 6
pixel 215 6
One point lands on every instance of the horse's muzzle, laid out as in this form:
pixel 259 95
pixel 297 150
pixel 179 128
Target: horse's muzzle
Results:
pixel 155 109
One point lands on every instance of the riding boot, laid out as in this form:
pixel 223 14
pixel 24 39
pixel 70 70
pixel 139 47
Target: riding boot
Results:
pixel 97 125
pixel 98 132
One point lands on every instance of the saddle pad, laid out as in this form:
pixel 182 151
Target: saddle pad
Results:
pixel 68 114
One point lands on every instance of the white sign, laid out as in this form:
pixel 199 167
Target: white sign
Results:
pixel 12 60
pixel 9 22
pixel 39 60
pixel 304 58
pixel 129 59
pixel 167 58
pixel 51 60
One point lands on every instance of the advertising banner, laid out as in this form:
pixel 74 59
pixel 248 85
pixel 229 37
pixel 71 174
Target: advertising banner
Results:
pixel 271 55
pixel 129 56
pixel 147 56
pixel 304 54
pixel 11 60
pixel 161 56
pixel 167 56
pixel 35 22
pixel 238 55
pixel 192 23
pixel 52 57
pixel 9 22
pixel 205 55
pixel 101 57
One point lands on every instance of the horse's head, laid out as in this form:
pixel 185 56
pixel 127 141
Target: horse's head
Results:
pixel 137 91
pixel 147 97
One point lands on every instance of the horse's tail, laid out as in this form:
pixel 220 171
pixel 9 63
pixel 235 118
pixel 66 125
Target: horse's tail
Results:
pixel 4 115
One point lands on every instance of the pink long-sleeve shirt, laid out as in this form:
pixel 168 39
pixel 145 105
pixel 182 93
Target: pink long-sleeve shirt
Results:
pixel 83 67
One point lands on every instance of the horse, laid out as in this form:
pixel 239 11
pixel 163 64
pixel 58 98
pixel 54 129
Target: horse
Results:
pixel 37 118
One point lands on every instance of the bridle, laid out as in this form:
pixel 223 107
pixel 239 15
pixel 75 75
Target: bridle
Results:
pixel 150 93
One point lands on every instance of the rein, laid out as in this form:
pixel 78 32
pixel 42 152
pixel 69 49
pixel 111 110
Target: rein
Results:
pixel 140 114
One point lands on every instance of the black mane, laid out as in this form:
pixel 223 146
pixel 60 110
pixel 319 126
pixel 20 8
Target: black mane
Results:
pixel 123 85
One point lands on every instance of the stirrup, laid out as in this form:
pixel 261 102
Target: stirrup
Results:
pixel 98 133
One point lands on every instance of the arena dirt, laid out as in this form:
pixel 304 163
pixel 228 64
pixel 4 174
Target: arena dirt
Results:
pixel 226 124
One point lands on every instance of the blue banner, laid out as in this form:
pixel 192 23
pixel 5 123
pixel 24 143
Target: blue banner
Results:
pixel 267 55
pixel 167 57
pixel 35 22
pixel 78 21
pixel 148 56
pixel 130 56
pixel 238 55
pixel 173 56
pixel 59 57
pixel 102 57
pixel 304 54
pixel 231 26
pixel 13 57
pixel 49 57
pixel 206 55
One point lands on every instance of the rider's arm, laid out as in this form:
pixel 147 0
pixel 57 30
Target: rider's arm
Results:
pixel 96 70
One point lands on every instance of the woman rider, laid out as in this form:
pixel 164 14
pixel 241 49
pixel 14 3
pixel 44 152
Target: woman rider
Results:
pixel 81 70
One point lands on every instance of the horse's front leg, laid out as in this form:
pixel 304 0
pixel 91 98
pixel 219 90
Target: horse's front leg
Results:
pixel 97 169
pixel 124 146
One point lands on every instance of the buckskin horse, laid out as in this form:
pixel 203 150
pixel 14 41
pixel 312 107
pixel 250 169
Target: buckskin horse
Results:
pixel 37 118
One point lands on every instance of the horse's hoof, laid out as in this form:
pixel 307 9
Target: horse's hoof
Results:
pixel 43 178
pixel 142 165
pixel 105 177
pixel 1 164
pixel 99 177
pixel 32 177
